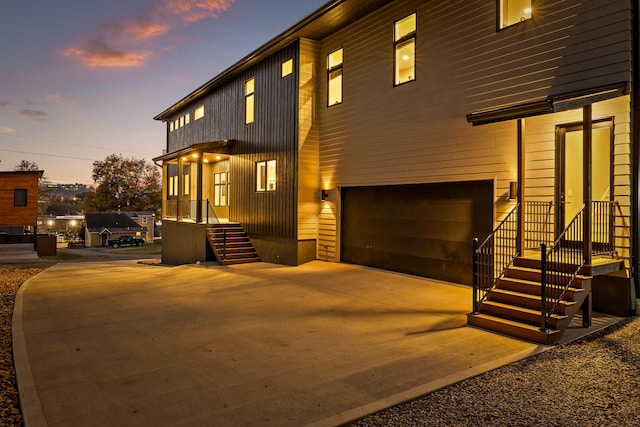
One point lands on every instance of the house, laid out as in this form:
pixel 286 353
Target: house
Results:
pixel 102 226
pixel 19 206
pixel 144 219
pixel 393 133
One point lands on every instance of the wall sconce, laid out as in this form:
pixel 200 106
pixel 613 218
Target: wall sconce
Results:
pixel 513 190
pixel 324 195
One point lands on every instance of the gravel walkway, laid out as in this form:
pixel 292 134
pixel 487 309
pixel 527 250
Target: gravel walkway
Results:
pixel 592 382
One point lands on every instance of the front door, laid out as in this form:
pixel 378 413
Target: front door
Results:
pixel 570 172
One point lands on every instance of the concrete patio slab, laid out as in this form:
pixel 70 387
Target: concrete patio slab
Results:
pixel 120 343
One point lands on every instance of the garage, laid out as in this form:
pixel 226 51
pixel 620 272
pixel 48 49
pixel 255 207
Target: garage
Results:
pixel 421 229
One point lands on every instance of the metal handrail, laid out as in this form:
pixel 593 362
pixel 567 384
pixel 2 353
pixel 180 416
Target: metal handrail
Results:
pixel 560 266
pixel 493 256
pixel 538 225
pixel 210 216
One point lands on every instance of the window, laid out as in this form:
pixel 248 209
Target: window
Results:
pixel 287 67
pixel 220 181
pixel 249 100
pixel 19 197
pixel 186 119
pixel 405 49
pixel 334 78
pixel 198 113
pixel 513 11
pixel 266 176
pixel 170 126
pixel 186 172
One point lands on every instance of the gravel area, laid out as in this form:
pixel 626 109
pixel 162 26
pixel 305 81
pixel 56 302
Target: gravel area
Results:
pixel 11 277
pixel 591 382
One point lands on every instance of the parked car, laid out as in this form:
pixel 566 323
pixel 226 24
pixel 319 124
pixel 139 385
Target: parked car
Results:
pixel 126 241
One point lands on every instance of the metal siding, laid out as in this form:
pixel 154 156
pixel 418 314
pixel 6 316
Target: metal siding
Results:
pixel 271 136
pixel 417 132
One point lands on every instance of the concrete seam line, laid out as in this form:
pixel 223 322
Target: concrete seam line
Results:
pixel 30 404
pixel 415 392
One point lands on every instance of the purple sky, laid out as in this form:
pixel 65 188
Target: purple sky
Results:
pixel 80 80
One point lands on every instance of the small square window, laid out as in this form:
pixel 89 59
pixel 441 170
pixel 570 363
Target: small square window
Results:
pixel 266 176
pixel 19 197
pixel 287 67
pixel 198 113
pixel 513 11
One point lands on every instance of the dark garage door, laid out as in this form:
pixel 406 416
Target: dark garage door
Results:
pixel 421 229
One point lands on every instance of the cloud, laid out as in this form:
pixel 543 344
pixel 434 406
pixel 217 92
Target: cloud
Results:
pixel 5 104
pixel 56 99
pixel 36 115
pixel 128 43
pixel 6 130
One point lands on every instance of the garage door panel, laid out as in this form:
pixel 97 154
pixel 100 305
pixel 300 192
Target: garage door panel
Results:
pixel 423 229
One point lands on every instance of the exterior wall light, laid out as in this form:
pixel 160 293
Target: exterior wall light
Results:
pixel 513 190
pixel 324 195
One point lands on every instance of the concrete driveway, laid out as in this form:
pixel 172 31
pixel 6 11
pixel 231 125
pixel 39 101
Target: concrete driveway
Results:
pixel 121 343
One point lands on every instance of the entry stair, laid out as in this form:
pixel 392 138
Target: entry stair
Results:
pixel 230 244
pixel 513 306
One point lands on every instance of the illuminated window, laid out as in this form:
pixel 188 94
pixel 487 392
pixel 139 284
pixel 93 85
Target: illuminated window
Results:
pixel 220 189
pixel 287 67
pixel 266 176
pixel 170 126
pixel 181 121
pixel 198 113
pixel 176 124
pixel 186 119
pixel 513 11
pixel 334 78
pixel 19 197
pixel 405 49
pixel 249 100
pixel 186 171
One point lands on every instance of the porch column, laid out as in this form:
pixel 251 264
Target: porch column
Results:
pixel 520 192
pixel 199 189
pixel 586 180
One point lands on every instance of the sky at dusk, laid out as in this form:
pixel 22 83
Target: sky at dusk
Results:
pixel 80 80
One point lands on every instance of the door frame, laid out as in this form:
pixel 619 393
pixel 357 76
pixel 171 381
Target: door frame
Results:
pixel 560 158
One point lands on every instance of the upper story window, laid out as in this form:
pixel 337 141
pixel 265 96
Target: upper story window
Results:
pixel 266 176
pixel 20 197
pixel 198 113
pixel 334 78
pixel 513 11
pixel 249 100
pixel 404 42
pixel 287 67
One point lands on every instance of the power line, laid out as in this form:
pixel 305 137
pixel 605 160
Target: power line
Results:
pixel 66 143
pixel 48 155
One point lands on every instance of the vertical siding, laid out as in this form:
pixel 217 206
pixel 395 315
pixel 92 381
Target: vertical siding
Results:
pixel 271 136
pixel 308 185
pixel 417 132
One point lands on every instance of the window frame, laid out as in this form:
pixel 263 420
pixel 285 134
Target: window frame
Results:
pixel 250 100
pixel 334 69
pixel 262 176
pixel 399 41
pixel 198 113
pixel 20 197
pixel 220 187
pixel 286 68
pixel 499 20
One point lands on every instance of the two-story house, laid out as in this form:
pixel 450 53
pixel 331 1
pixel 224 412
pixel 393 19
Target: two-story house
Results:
pixel 393 133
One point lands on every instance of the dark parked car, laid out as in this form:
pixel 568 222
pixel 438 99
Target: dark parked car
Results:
pixel 126 241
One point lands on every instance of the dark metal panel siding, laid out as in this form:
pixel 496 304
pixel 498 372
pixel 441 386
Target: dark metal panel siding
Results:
pixel 272 136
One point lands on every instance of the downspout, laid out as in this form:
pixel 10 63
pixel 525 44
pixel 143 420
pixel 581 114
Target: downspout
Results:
pixel 635 138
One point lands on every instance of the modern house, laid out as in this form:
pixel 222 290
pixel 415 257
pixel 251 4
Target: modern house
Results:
pixel 19 206
pixel 393 133
pixel 102 226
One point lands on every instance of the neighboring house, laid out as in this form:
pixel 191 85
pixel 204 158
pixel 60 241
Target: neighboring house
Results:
pixel 102 226
pixel 18 204
pixel 144 219
pixel 392 133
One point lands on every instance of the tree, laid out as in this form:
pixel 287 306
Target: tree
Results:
pixel 124 184
pixel 26 165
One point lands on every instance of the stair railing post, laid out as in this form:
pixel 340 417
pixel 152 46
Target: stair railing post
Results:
pixel 543 286
pixel 475 275
pixel 207 211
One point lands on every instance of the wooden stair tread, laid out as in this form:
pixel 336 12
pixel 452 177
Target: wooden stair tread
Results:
pixel 512 328
pixel 523 309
